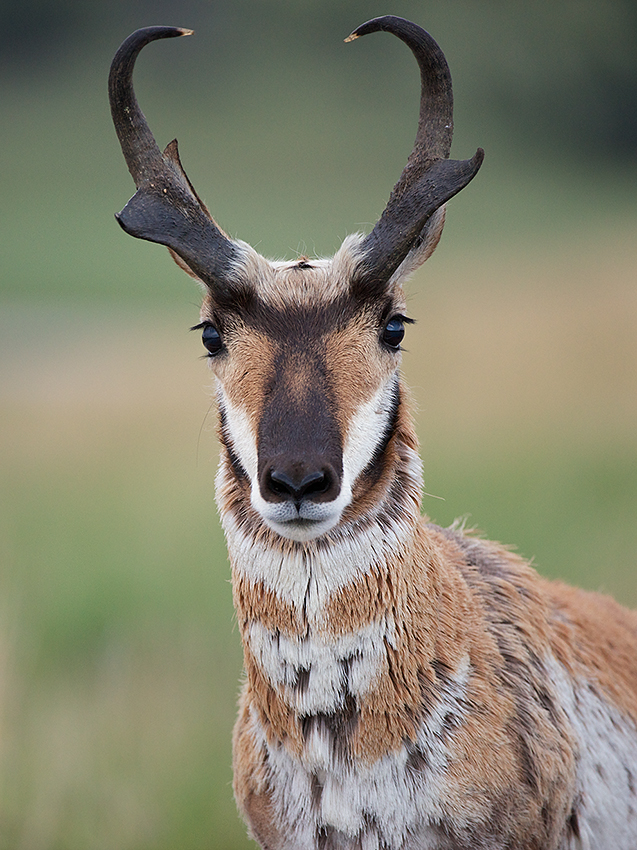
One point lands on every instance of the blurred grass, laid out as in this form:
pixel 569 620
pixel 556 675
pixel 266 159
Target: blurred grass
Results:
pixel 119 661
pixel 121 664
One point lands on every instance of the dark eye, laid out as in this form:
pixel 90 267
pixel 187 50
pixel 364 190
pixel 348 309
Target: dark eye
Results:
pixel 211 339
pixel 394 332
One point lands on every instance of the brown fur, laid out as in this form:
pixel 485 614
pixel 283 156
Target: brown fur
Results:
pixel 255 603
pixel 517 755
pixel 596 639
pixel 279 723
pixel 382 654
pixel 252 789
pixel 356 364
pixel 460 607
pixel 380 484
pixel 512 756
pixel 451 598
pixel 245 375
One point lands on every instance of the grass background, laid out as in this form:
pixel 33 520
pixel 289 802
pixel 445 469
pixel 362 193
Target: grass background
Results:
pixel 119 659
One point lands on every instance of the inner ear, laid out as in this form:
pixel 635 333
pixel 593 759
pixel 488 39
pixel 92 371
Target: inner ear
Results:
pixel 422 249
pixel 183 265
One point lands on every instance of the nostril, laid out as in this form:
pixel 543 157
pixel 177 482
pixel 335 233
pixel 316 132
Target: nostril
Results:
pixel 294 488
pixel 314 483
pixel 280 483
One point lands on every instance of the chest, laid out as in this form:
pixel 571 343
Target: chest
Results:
pixel 325 797
pixel 318 673
pixel 325 682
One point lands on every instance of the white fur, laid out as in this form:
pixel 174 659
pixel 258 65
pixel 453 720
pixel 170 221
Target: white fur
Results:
pixel 606 767
pixel 321 658
pixel 241 433
pixel 366 429
pixel 323 281
pixel 402 803
pixel 307 578
pixel 387 804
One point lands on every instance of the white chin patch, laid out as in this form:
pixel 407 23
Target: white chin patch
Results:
pixel 300 530
pixel 310 520
pixel 305 522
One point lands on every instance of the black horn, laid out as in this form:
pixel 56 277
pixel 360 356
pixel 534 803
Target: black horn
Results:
pixel 166 208
pixel 430 178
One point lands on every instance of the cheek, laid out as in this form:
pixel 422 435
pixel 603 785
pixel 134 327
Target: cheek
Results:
pixel 368 429
pixel 237 396
pixel 239 432
pixel 241 380
pixel 365 386
pixel 245 369
pixel 359 372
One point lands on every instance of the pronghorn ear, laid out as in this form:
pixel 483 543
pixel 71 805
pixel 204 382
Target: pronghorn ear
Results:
pixel 183 265
pixel 422 249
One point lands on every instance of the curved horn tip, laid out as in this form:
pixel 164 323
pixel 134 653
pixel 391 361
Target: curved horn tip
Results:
pixel 155 32
pixel 386 23
pixel 143 36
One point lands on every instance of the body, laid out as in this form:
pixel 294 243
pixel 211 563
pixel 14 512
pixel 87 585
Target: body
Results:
pixel 407 687
pixel 462 702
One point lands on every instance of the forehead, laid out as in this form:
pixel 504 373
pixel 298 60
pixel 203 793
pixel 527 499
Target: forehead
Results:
pixel 302 282
pixel 300 298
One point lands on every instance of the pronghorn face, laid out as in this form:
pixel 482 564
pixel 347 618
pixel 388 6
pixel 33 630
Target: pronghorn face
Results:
pixel 306 354
pixel 307 386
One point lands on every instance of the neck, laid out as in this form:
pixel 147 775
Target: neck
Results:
pixel 303 578
pixel 333 627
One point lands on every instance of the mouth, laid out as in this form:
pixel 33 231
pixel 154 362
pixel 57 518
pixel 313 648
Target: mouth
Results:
pixel 300 528
pixel 304 521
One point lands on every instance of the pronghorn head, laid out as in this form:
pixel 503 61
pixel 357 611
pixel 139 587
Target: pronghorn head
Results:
pixel 306 353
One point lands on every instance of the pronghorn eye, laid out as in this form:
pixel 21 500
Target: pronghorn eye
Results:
pixel 394 332
pixel 211 339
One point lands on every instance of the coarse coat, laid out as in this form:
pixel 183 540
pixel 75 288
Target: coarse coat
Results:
pixel 407 686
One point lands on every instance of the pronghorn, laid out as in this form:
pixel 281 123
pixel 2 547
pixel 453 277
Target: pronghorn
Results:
pixel 407 686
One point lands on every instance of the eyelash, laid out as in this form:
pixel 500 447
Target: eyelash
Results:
pixel 213 341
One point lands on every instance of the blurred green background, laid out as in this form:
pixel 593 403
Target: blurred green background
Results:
pixel 119 659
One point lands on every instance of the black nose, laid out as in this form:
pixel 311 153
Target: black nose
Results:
pixel 294 483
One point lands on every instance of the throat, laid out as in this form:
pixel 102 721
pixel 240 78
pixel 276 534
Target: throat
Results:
pixel 305 577
pixel 347 683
